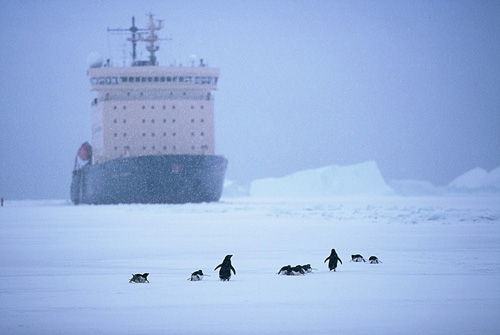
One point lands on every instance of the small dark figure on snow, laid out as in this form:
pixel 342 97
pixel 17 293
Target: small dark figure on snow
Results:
pixel 333 259
pixel 285 270
pixel 308 268
pixel 197 276
pixel 374 260
pixel 298 270
pixel 139 278
pixel 357 258
pixel 225 268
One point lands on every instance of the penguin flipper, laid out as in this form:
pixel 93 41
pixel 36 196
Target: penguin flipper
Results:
pixel 218 266
pixel 326 259
pixel 234 271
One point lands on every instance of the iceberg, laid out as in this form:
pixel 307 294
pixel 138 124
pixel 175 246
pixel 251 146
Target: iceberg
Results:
pixel 477 179
pixel 334 180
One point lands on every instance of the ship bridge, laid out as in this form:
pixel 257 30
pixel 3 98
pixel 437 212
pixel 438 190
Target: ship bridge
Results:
pixel 146 109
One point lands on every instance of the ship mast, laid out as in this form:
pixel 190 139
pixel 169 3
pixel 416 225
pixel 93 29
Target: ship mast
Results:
pixel 150 38
pixel 133 29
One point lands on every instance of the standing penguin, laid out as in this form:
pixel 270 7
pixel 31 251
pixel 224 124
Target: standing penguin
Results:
pixel 225 268
pixel 334 258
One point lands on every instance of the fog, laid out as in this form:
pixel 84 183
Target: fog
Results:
pixel 412 86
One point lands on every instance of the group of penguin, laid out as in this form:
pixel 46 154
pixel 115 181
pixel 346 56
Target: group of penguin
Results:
pixel 224 273
pixel 333 261
pixel 226 267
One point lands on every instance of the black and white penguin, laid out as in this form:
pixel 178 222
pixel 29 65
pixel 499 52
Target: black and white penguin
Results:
pixel 197 276
pixel 285 270
pixel 297 270
pixel 307 268
pixel 139 278
pixel 357 258
pixel 333 260
pixel 374 260
pixel 225 268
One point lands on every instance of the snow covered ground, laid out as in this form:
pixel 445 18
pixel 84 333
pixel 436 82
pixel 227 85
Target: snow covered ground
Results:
pixel 66 269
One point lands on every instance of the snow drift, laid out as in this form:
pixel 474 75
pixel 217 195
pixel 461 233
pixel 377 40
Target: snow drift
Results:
pixel 359 179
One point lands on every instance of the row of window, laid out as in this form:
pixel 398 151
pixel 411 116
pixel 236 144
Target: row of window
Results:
pixel 158 79
pixel 153 107
pixel 164 120
pixel 153 95
pixel 164 134
pixel 164 148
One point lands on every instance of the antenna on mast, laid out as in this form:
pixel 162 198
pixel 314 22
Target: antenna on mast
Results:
pixel 152 38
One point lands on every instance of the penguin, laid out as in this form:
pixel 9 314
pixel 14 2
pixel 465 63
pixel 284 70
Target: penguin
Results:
pixel 197 275
pixel 333 259
pixel 139 278
pixel 285 270
pixel 225 268
pixel 307 268
pixel 357 258
pixel 374 260
pixel 298 270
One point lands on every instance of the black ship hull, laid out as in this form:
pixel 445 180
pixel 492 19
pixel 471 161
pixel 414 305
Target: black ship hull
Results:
pixel 151 179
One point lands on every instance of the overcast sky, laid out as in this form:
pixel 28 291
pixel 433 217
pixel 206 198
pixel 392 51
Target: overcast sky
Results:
pixel 412 85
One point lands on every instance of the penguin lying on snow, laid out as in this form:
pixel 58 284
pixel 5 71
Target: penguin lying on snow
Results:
pixel 298 270
pixel 288 270
pixel 307 268
pixel 285 270
pixel 225 268
pixel 197 276
pixel 139 278
pixel 374 260
pixel 357 258
pixel 333 259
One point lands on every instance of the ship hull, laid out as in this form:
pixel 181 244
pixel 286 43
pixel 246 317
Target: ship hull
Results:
pixel 151 179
